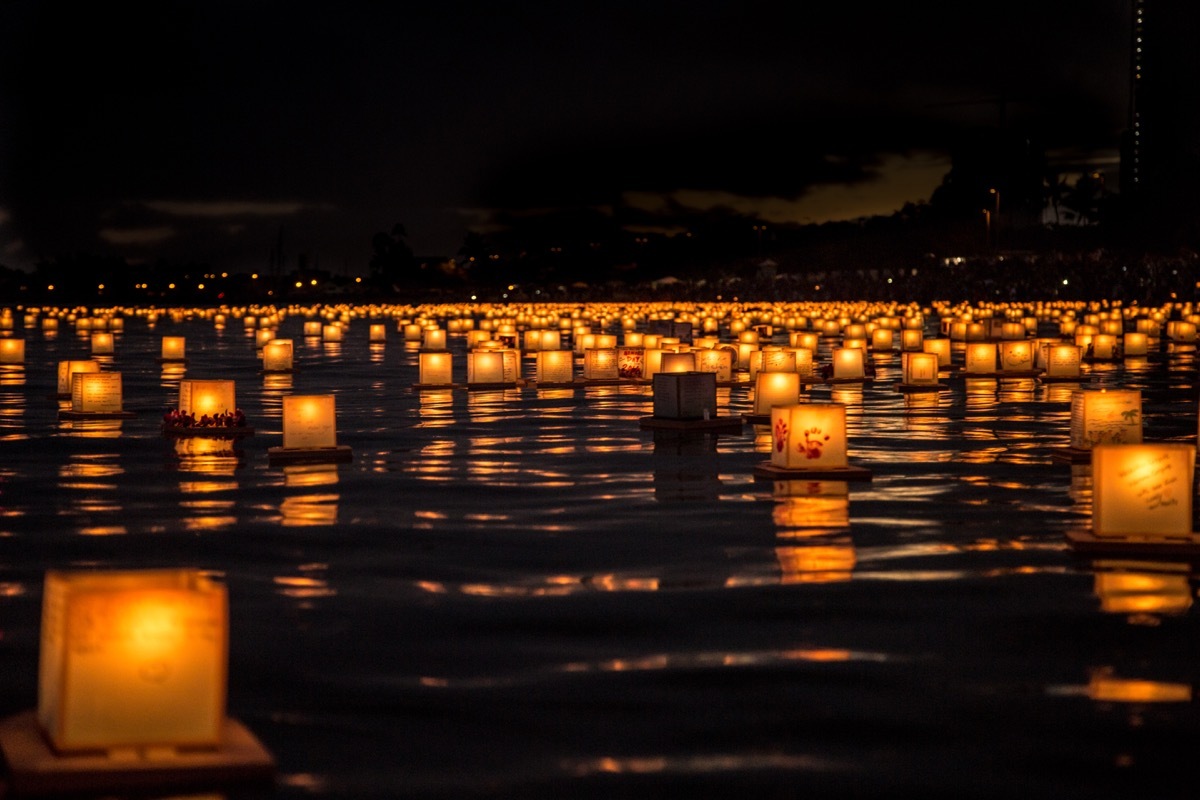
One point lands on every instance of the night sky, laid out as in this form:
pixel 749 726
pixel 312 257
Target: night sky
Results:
pixel 203 130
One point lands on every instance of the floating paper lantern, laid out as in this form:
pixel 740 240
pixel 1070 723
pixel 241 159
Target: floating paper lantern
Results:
pixel 434 368
pixel 433 339
pixel 50 324
pixel 1142 490
pixel 102 343
pixel 848 363
pixel 1105 347
pixel 942 348
pixel 883 340
pixel 980 357
pixel 312 328
pixel 96 393
pixel 1015 356
pixel 1012 330
pixel 377 332
pixel 1136 343
pixel 556 366
pixel 631 363
pixel 485 366
pixel 718 361
pixel 920 369
pixel 1106 416
pixel 277 355
pixel 206 397
pixel 12 351
pixel 309 422
pixel 600 364
pixel 911 340
pixel 331 333
pixel 806 340
pixel 415 333
pixel 677 362
pixel 1181 331
pixel 262 336
pixel 1062 360
pixel 775 389
pixel 685 395
pixel 809 436
pixel 173 348
pixel 132 659
pixel 66 371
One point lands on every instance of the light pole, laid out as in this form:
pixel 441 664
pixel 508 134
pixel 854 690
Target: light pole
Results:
pixel 987 227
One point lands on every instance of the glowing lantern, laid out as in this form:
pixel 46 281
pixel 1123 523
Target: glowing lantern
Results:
pixel 980 358
pixel 1012 330
pixel 848 363
pixel 882 340
pixel 1062 361
pixel 485 366
pixel 775 359
pixel 433 339
pixel 50 324
pixel 12 351
pixel 262 336
pixel 775 389
pixel 940 348
pixel 277 355
pixel 66 371
pixel 173 348
pixel 1015 356
pixel 132 659
pixel 911 340
pixel 1142 490
pixel 1107 416
pixel 809 436
pixel 102 343
pixel 1181 331
pixel 434 368
pixel 600 364
pixel 806 340
pixel 1104 347
pixel 555 366
pixel 920 369
pixel 96 393
pixel 377 332
pixel 1136 343
pixel 677 362
pixel 718 361
pixel 685 395
pixel 206 397
pixel 312 328
pixel 631 362
pixel 744 349
pixel 634 339
pixel 310 430
pixel 331 333
pixel 414 332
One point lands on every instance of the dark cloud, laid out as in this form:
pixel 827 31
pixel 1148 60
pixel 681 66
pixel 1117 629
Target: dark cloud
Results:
pixel 365 113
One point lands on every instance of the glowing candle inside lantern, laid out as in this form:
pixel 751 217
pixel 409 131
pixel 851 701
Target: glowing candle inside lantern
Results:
pixel 102 343
pixel 1136 343
pixel 132 659
pixel 377 332
pixel 809 435
pixel 677 362
pixel 433 339
pixel 882 340
pixel 485 366
pixel 309 421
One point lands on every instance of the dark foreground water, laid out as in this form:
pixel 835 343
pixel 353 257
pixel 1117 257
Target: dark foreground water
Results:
pixel 520 593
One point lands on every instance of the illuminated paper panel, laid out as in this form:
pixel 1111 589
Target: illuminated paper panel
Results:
pixel 309 421
pixel 277 355
pixel 173 348
pixel 434 368
pixel 809 435
pixel 67 369
pixel 920 368
pixel 132 659
pixel 980 357
pixel 96 392
pixel 555 366
pixel 1016 356
pixel 718 361
pixel 600 364
pixel 1063 360
pixel 1112 416
pixel 1142 489
pixel 775 389
pixel 12 351
pixel 199 397
pixel 685 395
pixel 848 362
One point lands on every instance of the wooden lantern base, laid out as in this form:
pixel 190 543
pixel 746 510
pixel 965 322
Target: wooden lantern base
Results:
pixel 36 769
pixel 1072 455
pixel 768 471
pixel 339 454
pixel 1186 545
pixel 714 425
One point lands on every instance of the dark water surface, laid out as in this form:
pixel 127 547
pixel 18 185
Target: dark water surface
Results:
pixel 521 593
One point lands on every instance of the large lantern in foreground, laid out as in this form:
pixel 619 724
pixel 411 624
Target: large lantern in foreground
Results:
pixel 309 431
pixel 1107 416
pixel 1142 490
pixel 809 436
pixel 132 660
